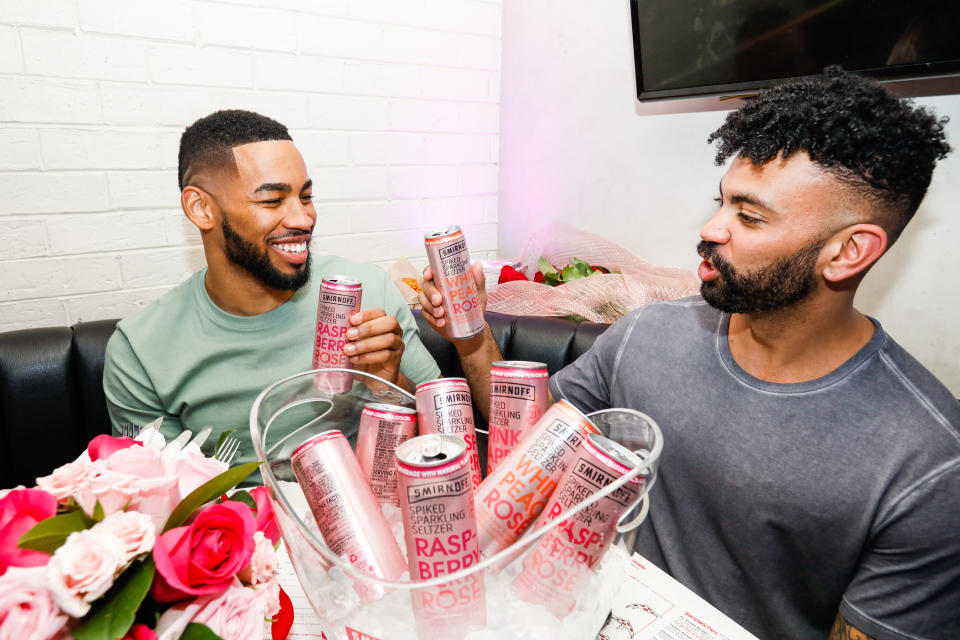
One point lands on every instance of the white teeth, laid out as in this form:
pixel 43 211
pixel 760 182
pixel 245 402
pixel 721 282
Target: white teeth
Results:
pixel 291 247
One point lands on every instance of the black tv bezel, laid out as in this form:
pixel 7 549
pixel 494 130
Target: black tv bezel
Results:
pixel 935 78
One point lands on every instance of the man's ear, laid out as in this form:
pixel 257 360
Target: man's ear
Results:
pixel 198 206
pixel 853 250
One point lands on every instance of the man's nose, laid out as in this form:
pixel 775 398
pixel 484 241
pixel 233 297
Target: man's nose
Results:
pixel 300 216
pixel 716 229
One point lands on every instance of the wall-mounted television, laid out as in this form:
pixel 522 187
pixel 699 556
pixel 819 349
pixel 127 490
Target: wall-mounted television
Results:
pixel 697 47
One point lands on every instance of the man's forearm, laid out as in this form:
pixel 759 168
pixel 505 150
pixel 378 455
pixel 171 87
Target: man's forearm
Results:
pixel 477 355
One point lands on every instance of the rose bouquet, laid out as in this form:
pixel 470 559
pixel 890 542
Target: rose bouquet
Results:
pixel 136 539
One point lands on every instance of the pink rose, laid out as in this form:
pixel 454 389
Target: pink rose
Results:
pixel 196 469
pixel 83 569
pixel 135 531
pixel 268 598
pixel 205 556
pixel 27 610
pixel 266 518
pixel 140 632
pixel 234 614
pixel 263 562
pixel 154 481
pixel 104 446
pixel 111 489
pixel 66 481
pixel 20 510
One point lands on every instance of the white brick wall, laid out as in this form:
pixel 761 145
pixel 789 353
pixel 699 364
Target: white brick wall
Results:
pixel 394 104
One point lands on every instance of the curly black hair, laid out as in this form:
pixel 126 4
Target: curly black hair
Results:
pixel 208 142
pixel 883 146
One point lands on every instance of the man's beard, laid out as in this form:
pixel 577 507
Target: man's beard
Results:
pixel 780 284
pixel 257 262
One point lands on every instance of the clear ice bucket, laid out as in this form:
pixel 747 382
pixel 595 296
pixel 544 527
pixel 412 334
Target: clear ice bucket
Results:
pixel 293 410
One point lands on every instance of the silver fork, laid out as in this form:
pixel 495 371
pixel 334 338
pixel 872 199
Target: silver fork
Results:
pixel 228 450
pixel 130 430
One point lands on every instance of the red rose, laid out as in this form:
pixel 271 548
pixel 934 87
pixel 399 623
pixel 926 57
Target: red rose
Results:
pixel 538 277
pixel 140 632
pixel 508 274
pixel 266 519
pixel 203 557
pixel 20 509
pixel 104 446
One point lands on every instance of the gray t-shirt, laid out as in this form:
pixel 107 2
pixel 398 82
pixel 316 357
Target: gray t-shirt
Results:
pixel 782 503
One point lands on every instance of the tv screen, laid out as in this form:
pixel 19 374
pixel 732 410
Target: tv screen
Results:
pixel 692 47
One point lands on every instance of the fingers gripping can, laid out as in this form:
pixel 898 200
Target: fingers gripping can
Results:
pixel 383 427
pixel 556 569
pixel 511 497
pixel 450 264
pixel 445 406
pixel 436 499
pixel 518 397
pixel 346 511
pixel 339 299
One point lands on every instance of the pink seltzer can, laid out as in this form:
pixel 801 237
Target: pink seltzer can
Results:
pixel 383 427
pixel 347 513
pixel 339 299
pixel 450 264
pixel 518 397
pixel 445 406
pixel 436 499
pixel 556 569
pixel 512 497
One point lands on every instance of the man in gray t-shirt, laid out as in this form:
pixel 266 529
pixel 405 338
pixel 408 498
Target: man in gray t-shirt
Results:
pixel 810 477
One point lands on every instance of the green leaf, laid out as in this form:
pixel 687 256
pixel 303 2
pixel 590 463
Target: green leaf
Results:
pixel 582 267
pixel 197 631
pixel 98 512
pixel 223 436
pixel 245 498
pixel 545 267
pixel 552 279
pixel 208 491
pixel 114 618
pixel 50 534
pixel 570 273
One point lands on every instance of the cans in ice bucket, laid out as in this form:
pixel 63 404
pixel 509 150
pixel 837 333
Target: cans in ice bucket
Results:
pixel 383 427
pixel 450 264
pixel 346 511
pixel 512 497
pixel 436 498
pixel 445 406
pixel 518 397
pixel 555 569
pixel 339 299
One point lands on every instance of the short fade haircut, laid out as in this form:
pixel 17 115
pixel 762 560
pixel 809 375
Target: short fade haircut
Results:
pixel 882 146
pixel 208 142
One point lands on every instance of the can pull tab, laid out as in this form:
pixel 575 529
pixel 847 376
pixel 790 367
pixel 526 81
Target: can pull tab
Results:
pixel 432 446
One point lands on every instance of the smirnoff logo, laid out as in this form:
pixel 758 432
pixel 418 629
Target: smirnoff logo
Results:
pixel 598 478
pixel 451 398
pixel 338 298
pixel 565 433
pixel 456 247
pixel 442 489
pixel 513 390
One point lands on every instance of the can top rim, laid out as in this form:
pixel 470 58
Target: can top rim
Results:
pixel 342 280
pixel 389 408
pixel 614 450
pixel 410 452
pixel 441 232
pixel 436 380
pixel 519 364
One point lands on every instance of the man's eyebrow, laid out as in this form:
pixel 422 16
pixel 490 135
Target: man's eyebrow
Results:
pixel 274 186
pixel 748 198
pixel 306 185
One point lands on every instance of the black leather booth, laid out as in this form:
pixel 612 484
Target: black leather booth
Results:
pixel 51 393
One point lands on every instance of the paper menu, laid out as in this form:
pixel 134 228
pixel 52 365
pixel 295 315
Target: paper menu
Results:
pixel 651 605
